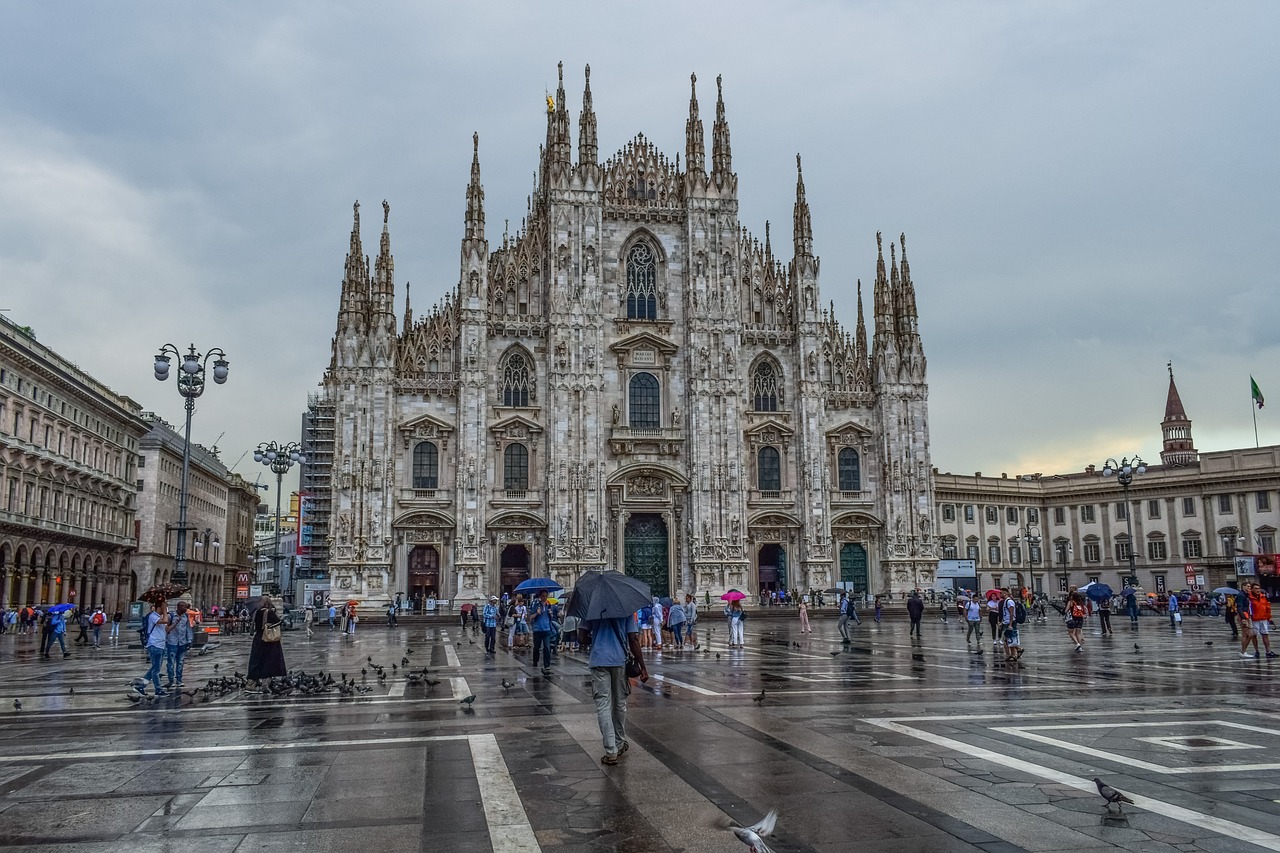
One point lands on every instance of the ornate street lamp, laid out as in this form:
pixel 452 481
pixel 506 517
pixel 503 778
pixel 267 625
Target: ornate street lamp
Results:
pixel 191 384
pixel 1029 536
pixel 1124 471
pixel 279 458
pixel 1064 554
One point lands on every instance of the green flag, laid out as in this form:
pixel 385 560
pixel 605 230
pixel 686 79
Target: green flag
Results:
pixel 1257 392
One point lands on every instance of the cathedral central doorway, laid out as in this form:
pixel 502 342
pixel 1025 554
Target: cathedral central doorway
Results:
pixel 853 566
pixel 424 574
pixel 514 567
pixel 644 552
pixel 771 560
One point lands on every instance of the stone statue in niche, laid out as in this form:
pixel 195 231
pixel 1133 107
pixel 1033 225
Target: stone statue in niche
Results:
pixel 675 416
pixel 564 527
pixel 735 527
pixel 471 472
pixel 471 529
pixel 592 529
pixel 617 415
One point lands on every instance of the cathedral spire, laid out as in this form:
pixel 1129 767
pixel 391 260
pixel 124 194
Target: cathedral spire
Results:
pixel 907 294
pixel 768 245
pixel 384 268
pixel 556 156
pixel 694 151
pixel 475 195
pixel 588 147
pixel 1179 449
pixel 884 341
pixel 408 311
pixel 862 326
pixel 355 279
pixel 721 152
pixel 803 222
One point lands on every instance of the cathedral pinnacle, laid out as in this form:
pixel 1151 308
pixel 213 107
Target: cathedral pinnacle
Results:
pixel 408 311
pixel 721 151
pixel 694 151
pixel 556 156
pixel 588 147
pixel 803 221
pixel 474 220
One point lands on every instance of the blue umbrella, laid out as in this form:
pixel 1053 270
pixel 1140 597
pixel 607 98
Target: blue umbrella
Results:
pixel 535 584
pixel 59 608
pixel 1098 591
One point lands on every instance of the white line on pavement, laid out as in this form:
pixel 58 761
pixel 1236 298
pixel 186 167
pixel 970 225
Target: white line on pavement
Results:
pixel 225 747
pixel 509 827
pixel 1228 828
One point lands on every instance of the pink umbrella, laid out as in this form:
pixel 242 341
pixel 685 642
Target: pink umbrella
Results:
pixel 733 595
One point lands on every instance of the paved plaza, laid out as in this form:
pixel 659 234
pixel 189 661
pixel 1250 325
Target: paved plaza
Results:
pixel 886 745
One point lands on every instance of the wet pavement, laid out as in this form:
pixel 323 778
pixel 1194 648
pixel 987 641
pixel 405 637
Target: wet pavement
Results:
pixel 888 744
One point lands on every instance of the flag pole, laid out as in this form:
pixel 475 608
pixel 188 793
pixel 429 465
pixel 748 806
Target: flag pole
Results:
pixel 1255 423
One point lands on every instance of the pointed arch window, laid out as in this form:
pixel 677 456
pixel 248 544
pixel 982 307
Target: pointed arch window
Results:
pixel 426 465
pixel 642 283
pixel 515 468
pixel 850 470
pixel 766 387
pixel 517 380
pixel 645 402
pixel 769 470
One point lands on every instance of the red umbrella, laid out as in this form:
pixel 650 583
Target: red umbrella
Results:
pixel 733 595
pixel 994 593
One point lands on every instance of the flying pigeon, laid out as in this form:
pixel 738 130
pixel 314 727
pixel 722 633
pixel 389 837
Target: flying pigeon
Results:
pixel 753 836
pixel 1111 795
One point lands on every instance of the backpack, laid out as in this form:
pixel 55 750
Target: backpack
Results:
pixel 1019 612
pixel 98 618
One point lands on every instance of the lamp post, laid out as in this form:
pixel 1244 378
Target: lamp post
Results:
pixel 1064 553
pixel 279 458
pixel 191 384
pixel 1029 536
pixel 1124 471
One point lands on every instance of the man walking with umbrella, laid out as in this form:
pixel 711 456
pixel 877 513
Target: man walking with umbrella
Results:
pixel 606 603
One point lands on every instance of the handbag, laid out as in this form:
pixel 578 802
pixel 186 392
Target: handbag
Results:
pixel 632 667
pixel 1177 617
pixel 271 632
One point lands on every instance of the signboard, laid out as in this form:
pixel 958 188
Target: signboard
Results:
pixel 242 579
pixel 255 590
pixel 1199 580
pixel 1159 583
pixel 957 568
pixel 242 592
pixel 1190 571
pixel 1246 566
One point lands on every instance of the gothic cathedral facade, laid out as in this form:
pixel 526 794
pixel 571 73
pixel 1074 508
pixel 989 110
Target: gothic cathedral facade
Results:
pixel 630 381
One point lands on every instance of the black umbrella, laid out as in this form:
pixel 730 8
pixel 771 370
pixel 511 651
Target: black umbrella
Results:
pixel 607 595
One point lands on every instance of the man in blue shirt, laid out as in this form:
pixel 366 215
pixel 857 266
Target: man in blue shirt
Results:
pixel 540 623
pixel 490 619
pixel 610 639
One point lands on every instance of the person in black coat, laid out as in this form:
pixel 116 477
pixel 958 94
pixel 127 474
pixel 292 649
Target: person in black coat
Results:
pixel 915 609
pixel 266 660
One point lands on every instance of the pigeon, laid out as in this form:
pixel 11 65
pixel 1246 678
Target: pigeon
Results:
pixel 369 658
pixel 836 652
pixel 917 656
pixel 404 661
pixel 17 704
pixel 753 836
pixel 71 691
pixel 760 698
pixel 1111 795
pixel 215 667
pixel 408 651
pixel 364 673
pixel 1136 647
pixel 432 682
pixel 468 701
pixel 133 697
pixel 507 685
pixel 1208 642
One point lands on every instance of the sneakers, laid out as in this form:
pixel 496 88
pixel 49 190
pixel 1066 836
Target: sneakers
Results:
pixel 1247 655
pixel 623 747
pixel 162 692
pixel 609 759
pixel 141 688
pixel 1271 654
pixel 1079 648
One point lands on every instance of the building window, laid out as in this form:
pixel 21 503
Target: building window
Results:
pixel 970 514
pixel 1092 552
pixel 949 550
pixel 1087 514
pixel 1153 509
pixel 516 379
pixel 1015 555
pixel 948 512
pixel 971 552
pixel 850 470
pixel 645 402
pixel 1033 515
pixel 642 283
pixel 1158 550
pixel 515 468
pixel 426 465
pixel 993 515
pixel 769 470
pixel 1123 550
pixel 1011 514
pixel 766 387
pixel 1189 507
pixel 1192 549
pixel 1264 501
pixel 1224 504
pixel 993 554
pixel 1266 543
pixel 1122 511
pixel 1059 515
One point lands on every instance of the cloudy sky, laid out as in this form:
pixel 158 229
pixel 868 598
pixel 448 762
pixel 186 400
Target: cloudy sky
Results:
pixel 1089 189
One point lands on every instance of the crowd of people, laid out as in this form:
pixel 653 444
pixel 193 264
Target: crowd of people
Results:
pixel 52 623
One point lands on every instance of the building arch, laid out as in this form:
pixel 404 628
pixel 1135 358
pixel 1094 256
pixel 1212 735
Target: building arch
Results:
pixel 517 374
pixel 767 385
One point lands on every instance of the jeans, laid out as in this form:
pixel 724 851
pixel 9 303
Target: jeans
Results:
pixel 975 629
pixel 97 634
pixel 1133 613
pixel 915 627
pixel 157 659
pixel 115 631
pixel 491 638
pixel 843 625
pixel 542 648
pixel 62 641
pixel 175 656
pixel 1104 621
pixel 609 688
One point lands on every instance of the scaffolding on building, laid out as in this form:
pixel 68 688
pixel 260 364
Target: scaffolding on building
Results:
pixel 316 481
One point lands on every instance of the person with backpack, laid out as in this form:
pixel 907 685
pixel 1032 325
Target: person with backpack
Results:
pixel 1010 609
pixel 96 621
pixel 82 621
pixel 973 618
pixel 56 625
pixel 1075 615
pixel 116 619
pixel 179 635
pixel 1104 616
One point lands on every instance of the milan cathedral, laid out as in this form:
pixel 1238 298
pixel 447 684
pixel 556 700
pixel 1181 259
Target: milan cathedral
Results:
pixel 632 381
